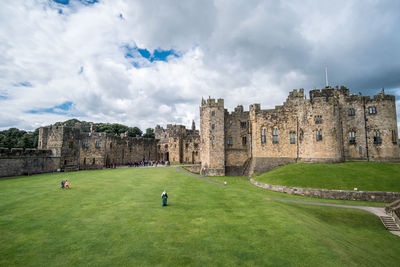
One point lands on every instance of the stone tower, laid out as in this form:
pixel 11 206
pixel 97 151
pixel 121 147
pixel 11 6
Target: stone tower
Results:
pixel 212 134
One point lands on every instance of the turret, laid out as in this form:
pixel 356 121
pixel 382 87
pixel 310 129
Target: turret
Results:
pixel 212 135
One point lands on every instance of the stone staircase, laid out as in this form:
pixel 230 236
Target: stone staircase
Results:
pixel 389 223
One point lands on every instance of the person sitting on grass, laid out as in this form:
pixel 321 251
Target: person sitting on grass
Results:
pixel 62 184
pixel 164 197
pixel 66 184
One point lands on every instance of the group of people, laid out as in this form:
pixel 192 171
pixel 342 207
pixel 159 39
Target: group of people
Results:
pixel 64 184
pixel 148 163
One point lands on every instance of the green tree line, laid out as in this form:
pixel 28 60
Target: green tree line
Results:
pixel 14 137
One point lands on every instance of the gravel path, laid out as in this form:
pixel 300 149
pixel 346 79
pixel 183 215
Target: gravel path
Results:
pixel 198 176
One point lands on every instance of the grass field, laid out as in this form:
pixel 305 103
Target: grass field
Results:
pixel 366 176
pixel 114 218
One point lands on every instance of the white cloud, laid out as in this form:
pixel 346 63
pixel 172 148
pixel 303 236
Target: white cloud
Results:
pixel 244 51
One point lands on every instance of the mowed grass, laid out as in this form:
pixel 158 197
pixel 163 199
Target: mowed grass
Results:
pixel 366 176
pixel 114 218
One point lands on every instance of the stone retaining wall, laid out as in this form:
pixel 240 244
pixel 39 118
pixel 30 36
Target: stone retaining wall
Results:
pixel 332 194
pixel 193 168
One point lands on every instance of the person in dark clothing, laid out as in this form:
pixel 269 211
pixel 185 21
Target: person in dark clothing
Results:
pixel 62 184
pixel 164 197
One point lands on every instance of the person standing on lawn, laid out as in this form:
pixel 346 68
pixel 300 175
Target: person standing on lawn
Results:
pixel 164 197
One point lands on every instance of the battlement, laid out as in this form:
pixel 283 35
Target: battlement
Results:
pixel 382 96
pixel 296 94
pixel 329 92
pixel 210 102
pixel 255 107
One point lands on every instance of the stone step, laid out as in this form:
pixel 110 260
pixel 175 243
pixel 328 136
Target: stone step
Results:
pixel 389 223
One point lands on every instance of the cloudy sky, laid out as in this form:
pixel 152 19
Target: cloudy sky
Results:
pixel 143 63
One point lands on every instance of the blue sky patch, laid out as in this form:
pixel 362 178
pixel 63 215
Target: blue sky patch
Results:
pixel 157 55
pixel 61 109
pixel 85 2
pixel 25 84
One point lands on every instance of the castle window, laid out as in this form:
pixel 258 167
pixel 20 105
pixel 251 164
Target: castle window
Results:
pixel 377 137
pixel 94 161
pixel 110 145
pixel 99 134
pixel 275 136
pixel 196 153
pixel 85 144
pixel 212 141
pixel 292 137
pixel 243 124
pixel 186 146
pixel 89 134
pixel 318 119
pixel 196 145
pixel 244 140
pixel 263 136
pixel 318 135
pixel 65 162
pixel 212 126
pixel 230 141
pixel 166 146
pixel 394 137
pixel 352 137
pixel 351 112
pixel 98 144
pixel 175 139
pixel 159 147
pixel 371 110
pixel 84 161
pixel 228 125
pixel 213 113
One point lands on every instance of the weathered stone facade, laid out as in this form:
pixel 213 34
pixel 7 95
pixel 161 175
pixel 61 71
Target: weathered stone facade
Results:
pixel 331 126
pixel 177 144
pixel 82 149
pixel 18 161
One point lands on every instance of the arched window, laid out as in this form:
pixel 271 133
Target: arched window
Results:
pixel 263 136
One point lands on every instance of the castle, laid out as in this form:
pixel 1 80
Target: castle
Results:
pixel 331 126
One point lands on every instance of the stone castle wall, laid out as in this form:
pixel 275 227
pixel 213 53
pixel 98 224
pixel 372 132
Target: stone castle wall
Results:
pixel 331 126
pixel 178 144
pixel 17 161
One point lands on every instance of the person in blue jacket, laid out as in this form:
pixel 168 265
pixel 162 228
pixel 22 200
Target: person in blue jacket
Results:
pixel 164 197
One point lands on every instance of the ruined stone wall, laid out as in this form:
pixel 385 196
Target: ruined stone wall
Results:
pixel 18 161
pixel 212 134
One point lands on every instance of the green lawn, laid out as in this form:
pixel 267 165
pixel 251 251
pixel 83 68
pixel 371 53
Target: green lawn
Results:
pixel 366 176
pixel 114 218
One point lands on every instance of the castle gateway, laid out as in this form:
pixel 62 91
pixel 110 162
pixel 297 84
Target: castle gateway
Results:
pixel 331 126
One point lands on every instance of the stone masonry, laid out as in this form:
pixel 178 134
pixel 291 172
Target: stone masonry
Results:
pixel 331 126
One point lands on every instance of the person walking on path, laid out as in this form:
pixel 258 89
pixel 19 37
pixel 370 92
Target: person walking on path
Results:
pixel 164 197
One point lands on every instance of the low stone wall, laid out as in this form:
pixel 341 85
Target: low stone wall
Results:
pixel 260 164
pixel 193 168
pixel 18 161
pixel 332 194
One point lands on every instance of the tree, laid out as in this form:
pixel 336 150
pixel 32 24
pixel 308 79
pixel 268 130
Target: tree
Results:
pixel 134 132
pixel 149 133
